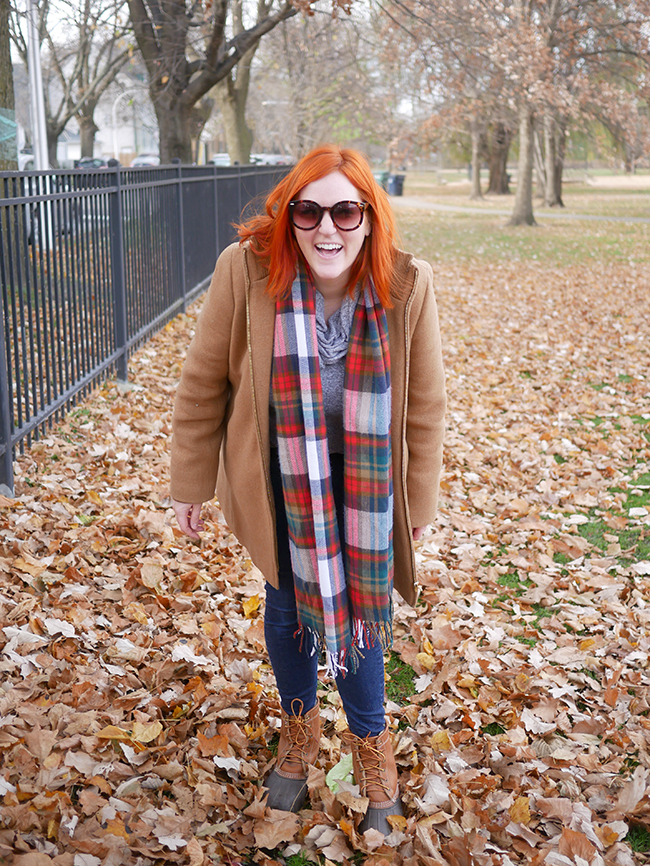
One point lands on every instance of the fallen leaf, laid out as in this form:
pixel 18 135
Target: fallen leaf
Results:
pixel 146 733
pixel 282 827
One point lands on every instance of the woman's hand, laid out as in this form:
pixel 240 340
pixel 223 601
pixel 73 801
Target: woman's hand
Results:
pixel 418 532
pixel 188 516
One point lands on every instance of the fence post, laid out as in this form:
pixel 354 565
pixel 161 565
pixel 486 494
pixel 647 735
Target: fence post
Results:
pixel 117 267
pixel 181 230
pixel 6 415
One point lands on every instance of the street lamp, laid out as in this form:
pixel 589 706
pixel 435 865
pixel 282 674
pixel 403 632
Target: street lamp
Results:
pixel 114 114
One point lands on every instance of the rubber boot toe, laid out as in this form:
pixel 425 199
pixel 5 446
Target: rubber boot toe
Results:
pixel 377 819
pixel 286 794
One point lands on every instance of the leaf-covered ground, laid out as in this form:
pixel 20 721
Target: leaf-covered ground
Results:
pixel 138 714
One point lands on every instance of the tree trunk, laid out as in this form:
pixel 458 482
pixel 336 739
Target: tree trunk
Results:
pixel 559 160
pixel 551 198
pixel 239 138
pixel 174 129
pixel 200 115
pixel 498 148
pixel 523 209
pixel 538 164
pixel 629 158
pixel 233 94
pixel 476 160
pixel 87 130
pixel 8 145
pixel 53 130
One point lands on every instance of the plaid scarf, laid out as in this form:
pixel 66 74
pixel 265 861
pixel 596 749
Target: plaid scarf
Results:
pixel 343 590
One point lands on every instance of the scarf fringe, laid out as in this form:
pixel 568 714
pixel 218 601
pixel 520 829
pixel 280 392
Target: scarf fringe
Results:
pixel 365 635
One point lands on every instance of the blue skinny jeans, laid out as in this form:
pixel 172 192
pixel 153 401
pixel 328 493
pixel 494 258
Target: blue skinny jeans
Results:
pixel 362 692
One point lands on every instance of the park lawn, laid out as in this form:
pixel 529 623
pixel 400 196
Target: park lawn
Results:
pixel 579 197
pixel 477 238
pixel 138 712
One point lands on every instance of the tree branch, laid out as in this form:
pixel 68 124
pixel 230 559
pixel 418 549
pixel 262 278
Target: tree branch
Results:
pixel 144 31
pixel 236 48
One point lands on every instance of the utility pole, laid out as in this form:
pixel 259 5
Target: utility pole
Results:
pixel 36 100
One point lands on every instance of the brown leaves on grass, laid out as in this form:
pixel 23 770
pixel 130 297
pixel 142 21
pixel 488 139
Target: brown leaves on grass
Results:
pixel 137 709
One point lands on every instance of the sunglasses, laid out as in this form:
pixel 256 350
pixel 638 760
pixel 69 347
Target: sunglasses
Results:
pixel 346 215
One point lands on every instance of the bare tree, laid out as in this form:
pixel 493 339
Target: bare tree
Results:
pixel 318 78
pixel 555 59
pixel 85 48
pixel 232 91
pixel 188 49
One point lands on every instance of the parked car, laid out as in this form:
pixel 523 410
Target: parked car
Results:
pixel 144 159
pixel 270 159
pixel 90 162
pixel 220 159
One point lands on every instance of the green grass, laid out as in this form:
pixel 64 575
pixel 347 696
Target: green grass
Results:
pixel 634 539
pixel 643 480
pixel 277 854
pixel 401 684
pixel 478 238
pixel 513 581
pixel 298 860
pixel 638 838
pixel 561 558
pixel 528 641
pixel 493 729
pixel 273 744
pixel 541 612
pixel 509 580
pixel 484 237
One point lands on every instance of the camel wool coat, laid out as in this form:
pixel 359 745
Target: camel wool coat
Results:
pixel 221 413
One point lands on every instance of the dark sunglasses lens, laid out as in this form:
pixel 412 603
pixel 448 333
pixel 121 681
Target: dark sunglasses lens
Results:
pixel 346 215
pixel 306 214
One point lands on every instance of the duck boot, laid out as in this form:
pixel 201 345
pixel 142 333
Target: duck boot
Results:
pixel 298 747
pixel 375 772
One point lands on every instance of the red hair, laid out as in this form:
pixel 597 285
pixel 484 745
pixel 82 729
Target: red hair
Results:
pixel 272 233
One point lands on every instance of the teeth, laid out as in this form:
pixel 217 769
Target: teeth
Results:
pixel 328 246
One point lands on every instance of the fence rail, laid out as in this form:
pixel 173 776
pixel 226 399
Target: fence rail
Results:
pixel 91 264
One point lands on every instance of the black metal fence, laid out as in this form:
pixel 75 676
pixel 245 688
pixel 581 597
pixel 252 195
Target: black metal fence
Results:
pixel 91 264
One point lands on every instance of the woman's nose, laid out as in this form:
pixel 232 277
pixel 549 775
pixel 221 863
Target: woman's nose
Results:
pixel 327 224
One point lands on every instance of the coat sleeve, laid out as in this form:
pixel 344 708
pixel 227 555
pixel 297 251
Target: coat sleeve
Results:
pixel 426 406
pixel 200 407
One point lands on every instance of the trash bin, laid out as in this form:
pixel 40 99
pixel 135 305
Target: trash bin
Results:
pixel 382 179
pixel 396 184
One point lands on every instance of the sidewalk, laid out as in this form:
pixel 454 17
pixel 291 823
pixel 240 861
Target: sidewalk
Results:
pixel 418 203
pixel 137 711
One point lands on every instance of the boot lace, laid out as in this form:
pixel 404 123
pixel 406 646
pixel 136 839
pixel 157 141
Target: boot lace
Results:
pixel 297 730
pixel 373 765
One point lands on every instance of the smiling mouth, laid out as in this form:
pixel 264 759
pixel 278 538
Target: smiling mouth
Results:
pixel 329 248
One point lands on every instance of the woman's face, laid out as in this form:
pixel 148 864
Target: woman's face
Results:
pixel 329 252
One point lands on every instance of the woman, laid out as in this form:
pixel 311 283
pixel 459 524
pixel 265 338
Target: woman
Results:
pixel 313 396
